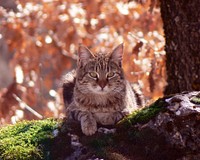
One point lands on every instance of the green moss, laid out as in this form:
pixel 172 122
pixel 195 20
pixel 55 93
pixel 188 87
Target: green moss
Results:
pixel 101 141
pixel 26 140
pixel 195 100
pixel 143 115
pixel 99 144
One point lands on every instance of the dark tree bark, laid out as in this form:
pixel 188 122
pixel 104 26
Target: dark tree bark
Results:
pixel 181 19
pixel 9 4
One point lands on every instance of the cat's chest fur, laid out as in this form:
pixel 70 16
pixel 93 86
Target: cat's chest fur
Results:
pixel 96 103
pixel 105 118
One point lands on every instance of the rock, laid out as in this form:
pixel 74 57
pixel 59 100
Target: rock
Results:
pixel 168 129
pixel 174 132
pixel 180 123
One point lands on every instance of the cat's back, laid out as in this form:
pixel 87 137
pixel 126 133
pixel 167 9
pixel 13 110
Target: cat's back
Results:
pixel 68 87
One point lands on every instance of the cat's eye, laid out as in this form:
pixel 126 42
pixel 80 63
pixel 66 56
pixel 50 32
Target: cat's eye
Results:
pixel 110 75
pixel 93 74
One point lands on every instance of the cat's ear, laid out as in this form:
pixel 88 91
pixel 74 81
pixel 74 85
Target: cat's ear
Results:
pixel 117 54
pixel 84 55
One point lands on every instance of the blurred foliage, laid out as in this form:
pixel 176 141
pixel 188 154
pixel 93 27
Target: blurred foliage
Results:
pixel 42 37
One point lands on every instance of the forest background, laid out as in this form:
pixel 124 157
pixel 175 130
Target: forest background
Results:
pixel 39 41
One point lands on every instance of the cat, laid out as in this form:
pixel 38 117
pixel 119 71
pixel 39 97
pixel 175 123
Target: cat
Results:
pixel 97 91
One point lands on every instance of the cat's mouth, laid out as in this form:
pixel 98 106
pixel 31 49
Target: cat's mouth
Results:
pixel 100 90
pixel 103 91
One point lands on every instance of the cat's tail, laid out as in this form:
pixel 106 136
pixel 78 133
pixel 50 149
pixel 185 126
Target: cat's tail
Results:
pixel 138 94
pixel 68 87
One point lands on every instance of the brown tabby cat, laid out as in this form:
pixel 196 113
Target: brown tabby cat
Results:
pixel 97 91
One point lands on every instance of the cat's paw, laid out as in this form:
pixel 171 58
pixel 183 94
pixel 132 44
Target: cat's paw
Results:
pixel 106 130
pixel 88 126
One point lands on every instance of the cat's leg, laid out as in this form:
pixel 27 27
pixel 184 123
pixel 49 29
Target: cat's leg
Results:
pixel 88 122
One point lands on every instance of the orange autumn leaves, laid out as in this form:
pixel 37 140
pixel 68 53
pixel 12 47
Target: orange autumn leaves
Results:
pixel 43 36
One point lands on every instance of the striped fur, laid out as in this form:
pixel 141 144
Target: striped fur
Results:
pixel 97 91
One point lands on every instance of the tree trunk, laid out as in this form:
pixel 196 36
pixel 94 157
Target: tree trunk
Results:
pixel 181 21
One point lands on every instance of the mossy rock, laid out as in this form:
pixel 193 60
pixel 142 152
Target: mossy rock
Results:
pixel 37 140
pixel 142 115
pixel 137 136
pixel 27 139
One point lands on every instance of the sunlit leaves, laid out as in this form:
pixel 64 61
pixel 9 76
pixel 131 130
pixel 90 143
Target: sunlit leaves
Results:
pixel 43 37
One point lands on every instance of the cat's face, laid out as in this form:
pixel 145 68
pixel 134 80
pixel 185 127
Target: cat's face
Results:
pixel 100 74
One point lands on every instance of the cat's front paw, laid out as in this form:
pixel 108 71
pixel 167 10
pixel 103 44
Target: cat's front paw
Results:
pixel 88 126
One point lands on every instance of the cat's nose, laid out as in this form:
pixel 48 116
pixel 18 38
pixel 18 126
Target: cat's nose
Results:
pixel 102 83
